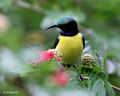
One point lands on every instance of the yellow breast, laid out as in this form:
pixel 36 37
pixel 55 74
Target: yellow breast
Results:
pixel 71 48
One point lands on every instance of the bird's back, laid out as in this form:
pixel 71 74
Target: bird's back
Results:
pixel 71 48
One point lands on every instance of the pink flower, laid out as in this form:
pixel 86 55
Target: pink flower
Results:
pixel 60 78
pixel 58 59
pixel 45 56
pixel 51 54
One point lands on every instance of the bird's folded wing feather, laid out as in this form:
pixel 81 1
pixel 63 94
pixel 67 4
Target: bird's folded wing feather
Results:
pixel 56 41
pixel 83 40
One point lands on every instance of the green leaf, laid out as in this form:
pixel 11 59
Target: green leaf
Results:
pixel 104 63
pixel 93 71
pixel 75 83
pixel 99 89
pixel 109 88
pixel 91 82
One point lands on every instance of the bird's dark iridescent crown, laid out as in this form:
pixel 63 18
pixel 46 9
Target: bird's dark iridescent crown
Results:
pixel 65 20
pixel 67 24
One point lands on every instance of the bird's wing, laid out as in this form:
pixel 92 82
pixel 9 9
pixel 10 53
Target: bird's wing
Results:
pixel 56 41
pixel 83 40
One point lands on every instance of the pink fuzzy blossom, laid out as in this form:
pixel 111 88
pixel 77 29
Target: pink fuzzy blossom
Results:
pixel 58 59
pixel 60 78
pixel 46 56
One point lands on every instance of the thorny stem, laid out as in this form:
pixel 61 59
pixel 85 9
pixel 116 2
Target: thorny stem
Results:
pixel 113 86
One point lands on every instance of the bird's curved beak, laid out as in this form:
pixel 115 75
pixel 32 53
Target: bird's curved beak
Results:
pixel 52 26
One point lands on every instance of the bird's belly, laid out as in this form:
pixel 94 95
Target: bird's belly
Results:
pixel 70 48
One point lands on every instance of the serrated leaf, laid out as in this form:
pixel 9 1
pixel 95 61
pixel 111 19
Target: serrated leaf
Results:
pixel 93 71
pixel 109 88
pixel 99 89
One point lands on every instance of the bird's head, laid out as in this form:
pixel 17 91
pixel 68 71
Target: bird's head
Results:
pixel 67 24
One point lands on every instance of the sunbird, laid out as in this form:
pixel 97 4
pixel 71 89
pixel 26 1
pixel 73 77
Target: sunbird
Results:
pixel 70 41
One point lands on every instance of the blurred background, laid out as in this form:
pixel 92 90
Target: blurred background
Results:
pixel 23 23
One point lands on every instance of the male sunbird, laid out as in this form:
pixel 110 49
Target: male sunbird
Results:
pixel 70 42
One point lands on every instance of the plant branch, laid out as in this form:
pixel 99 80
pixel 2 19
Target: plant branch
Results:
pixel 29 6
pixel 113 86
